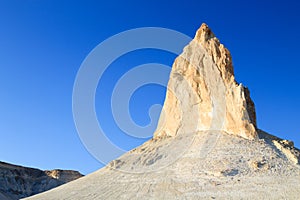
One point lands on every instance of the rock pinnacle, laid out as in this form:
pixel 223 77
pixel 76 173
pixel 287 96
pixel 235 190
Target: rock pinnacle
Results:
pixel 203 94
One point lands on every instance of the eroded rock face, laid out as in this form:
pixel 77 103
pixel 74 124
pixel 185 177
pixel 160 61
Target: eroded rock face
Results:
pixel 203 94
pixel 18 182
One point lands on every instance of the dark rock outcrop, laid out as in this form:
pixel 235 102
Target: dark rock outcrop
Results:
pixel 18 182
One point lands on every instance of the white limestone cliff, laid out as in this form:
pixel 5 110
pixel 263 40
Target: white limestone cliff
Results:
pixel 203 94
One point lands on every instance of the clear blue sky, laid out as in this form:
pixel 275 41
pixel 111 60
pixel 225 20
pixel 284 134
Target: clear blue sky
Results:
pixel 42 45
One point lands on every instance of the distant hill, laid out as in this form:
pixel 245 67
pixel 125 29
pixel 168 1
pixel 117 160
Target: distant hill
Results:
pixel 18 182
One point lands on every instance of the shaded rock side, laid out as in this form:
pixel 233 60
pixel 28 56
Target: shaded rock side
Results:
pixel 18 182
pixel 202 92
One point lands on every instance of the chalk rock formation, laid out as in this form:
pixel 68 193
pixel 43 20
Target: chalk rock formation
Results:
pixel 18 182
pixel 203 94
pixel 206 145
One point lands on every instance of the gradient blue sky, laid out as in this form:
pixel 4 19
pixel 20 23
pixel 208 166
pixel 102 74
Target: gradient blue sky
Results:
pixel 42 44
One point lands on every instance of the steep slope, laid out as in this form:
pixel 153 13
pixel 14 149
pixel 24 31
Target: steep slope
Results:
pixel 216 165
pixel 206 146
pixel 18 182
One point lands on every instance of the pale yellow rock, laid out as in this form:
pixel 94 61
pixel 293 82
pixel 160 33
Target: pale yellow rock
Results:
pixel 203 94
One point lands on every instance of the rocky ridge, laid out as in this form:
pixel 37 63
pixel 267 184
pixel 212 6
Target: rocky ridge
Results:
pixel 18 182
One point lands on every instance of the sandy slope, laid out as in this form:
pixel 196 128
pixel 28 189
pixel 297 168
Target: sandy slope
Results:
pixel 205 165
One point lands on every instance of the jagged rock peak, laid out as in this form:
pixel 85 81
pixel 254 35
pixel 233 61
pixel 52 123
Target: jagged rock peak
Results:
pixel 204 33
pixel 219 53
pixel 203 94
